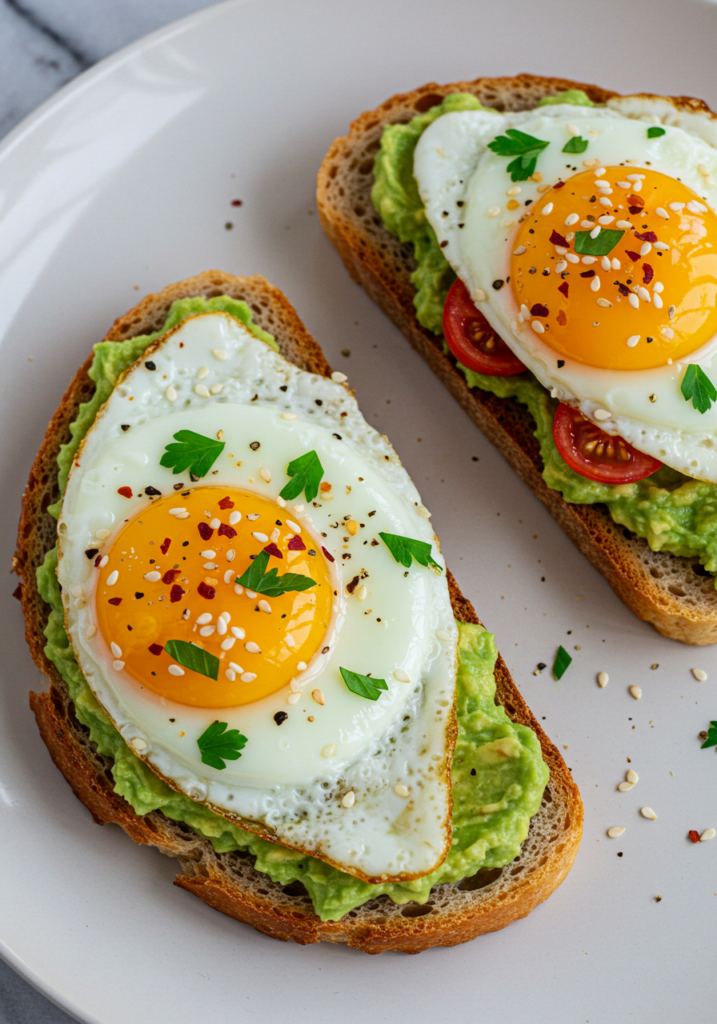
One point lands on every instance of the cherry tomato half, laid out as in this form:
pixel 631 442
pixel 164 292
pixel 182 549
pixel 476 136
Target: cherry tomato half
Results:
pixel 596 455
pixel 472 340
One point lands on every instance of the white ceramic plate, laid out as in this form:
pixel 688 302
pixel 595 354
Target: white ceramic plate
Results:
pixel 123 183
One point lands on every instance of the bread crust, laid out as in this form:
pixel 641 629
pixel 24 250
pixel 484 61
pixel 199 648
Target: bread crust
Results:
pixel 674 594
pixel 229 882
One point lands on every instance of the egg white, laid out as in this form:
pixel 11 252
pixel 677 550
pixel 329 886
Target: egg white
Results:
pixel 453 165
pixel 284 780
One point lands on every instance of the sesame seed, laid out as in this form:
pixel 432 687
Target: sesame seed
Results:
pixel 202 372
pixel 228 643
pixel 604 201
pixel 248 677
pixel 479 295
pixel 362 592
pixel 170 394
pixel 571 257
pixel 202 390
pixel 90 631
pixel 514 190
pixel 221 625
pixel 603 679
pixel 138 744
pixel 238 632
pixel 229 576
pixel 220 354
pixel 252 648
pixel 207 630
pixel 662 246
pixel 318 696
pixel 615 831
pixel 216 389
pixel 709 833
pixel 400 790
pixel 114 576
pixel 402 676
pixel 103 561
pixel 605 220
pixel 116 650
pixel 215 524
pixel 602 414
pixel 236 668
pixel 204 618
pixel 348 799
pixel 175 670
pixel 589 259
pixel 265 474
pixel 423 512
pixel 625 225
pixel 329 750
pixel 118 665
pixel 176 511
pixel 634 301
pixel 261 537
pixel 662 212
pixel 301 665
pixel 624 787
pixel 560 250
pixel 151 577
pixel 694 207
pixel 338 377
pixel 292 698
pixel 560 266
pixel 230 674
pixel 250 594
pixel 624 184
pixel 647 812
pixel 593 162
pixel 636 692
pixel 671 311
pixel 264 606
pixel 538 327
pixel 548 208
pixel 643 293
pixel 493 211
pixel 595 231
pixel 645 248
pixel 519 251
pixel 289 415
pixel 605 303
pixel 208 553
pixel 632 776
pixel 699 674
pixel 571 219
pixel 615 264
pixel 595 284
pixel 677 206
pixel 572 130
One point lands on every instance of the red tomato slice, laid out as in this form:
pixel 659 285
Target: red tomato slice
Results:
pixel 596 455
pixel 472 340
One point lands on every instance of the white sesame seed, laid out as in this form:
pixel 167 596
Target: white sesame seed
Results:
pixel 227 644
pixel 362 592
pixel 292 698
pixel 90 631
pixel 595 284
pixel 114 576
pixel 571 219
pixel 116 650
pixel 538 327
pixel 625 225
pixel 236 668
pixel 637 186
pixel 709 833
pixel 601 414
pixel 443 634
pixel 645 248
pixel 202 372
pixel 699 674
pixel 230 674
pixel 248 677
pixel 216 389
pixel 221 626
pixel 548 208
pixel 606 219
pixel 261 537
pixel 138 744
pixel 634 301
pixel 318 696
pixel 170 394
pixel 603 679
pixel 215 523
pixel 348 799
pixel 519 251
pixel 571 257
pixel 400 790
pixel 204 618
pixel 423 512
pixel 238 632
pixel 605 303
pixel 647 812
pixel 252 648
pixel 250 594
pixel 560 266
pixel 662 212
pixel 624 787
pixel 264 606
pixel 595 231
pixel 301 666
pixel 479 295
pixel 560 250
pixel 103 561
pixel 694 207
pixel 632 776
pixel 615 263
pixel 493 211
pixel 572 130
pixel 183 515
pixel 604 201
pixel 220 354
pixel 615 832
pixel 208 553
pixel 202 390
pixel 589 259
pixel 624 184
pixel 229 575
pixel 207 630
pixel 658 286
pixel 662 246
pixel 265 474
pixel 592 162
pixel 643 293
pixel 176 511
pixel 175 670
pixel 289 416
pixel 587 224
pixel 118 665
pixel 151 577
pixel 514 190
pixel 338 377
pixel 636 692
pixel 657 302
pixel 677 206
pixel 402 676
pixel 329 750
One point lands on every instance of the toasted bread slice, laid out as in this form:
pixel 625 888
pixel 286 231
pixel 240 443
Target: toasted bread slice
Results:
pixel 675 594
pixel 229 882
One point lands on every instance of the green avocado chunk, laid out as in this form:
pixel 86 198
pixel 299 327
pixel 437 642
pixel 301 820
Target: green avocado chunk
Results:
pixel 671 511
pixel 498 773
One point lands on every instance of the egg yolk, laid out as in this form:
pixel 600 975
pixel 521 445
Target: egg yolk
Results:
pixel 617 268
pixel 170 574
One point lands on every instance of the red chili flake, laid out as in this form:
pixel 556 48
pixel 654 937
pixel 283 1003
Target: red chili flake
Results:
pixel 328 554
pixel 97 561
pixel 164 546
pixel 557 239
pixel 634 256
pixel 226 503
pixel 205 530
pixel 171 575
pixel 226 531
pixel 126 492
pixel 176 594
pixel 559 184
pixel 155 649
pixel 649 273
pixel 17 592
pixel 539 310
pixel 694 835
pixel 206 591
pixel 563 288
pixel 646 236
pixel 634 210
pixel 296 544
pixel 237 202
pixel 588 273
pixel 272 549
pixel 623 289
pixel 115 600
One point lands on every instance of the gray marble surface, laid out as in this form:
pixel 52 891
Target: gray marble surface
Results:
pixel 43 45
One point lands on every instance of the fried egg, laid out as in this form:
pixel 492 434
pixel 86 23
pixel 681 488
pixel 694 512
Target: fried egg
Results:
pixel 610 334
pixel 149 558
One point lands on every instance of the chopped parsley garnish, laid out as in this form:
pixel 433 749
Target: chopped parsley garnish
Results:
pixel 561 663
pixel 217 745
pixel 256 578
pixel 525 148
pixel 306 473
pixel 697 386
pixel 711 740
pixel 655 132
pixel 364 686
pixel 604 243
pixel 194 452
pixel 193 657
pixel 576 145
pixel 405 549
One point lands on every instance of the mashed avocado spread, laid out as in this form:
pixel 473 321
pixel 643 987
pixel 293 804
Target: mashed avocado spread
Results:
pixel 498 773
pixel 672 512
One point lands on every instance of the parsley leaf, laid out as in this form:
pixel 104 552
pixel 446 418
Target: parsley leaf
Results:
pixel 218 745
pixel 364 686
pixel 711 740
pixel 193 452
pixel 576 145
pixel 562 661
pixel 524 147
pixel 655 132
pixel 256 578
pixel 697 386
pixel 307 472
pixel 193 657
pixel 600 246
pixel 404 549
